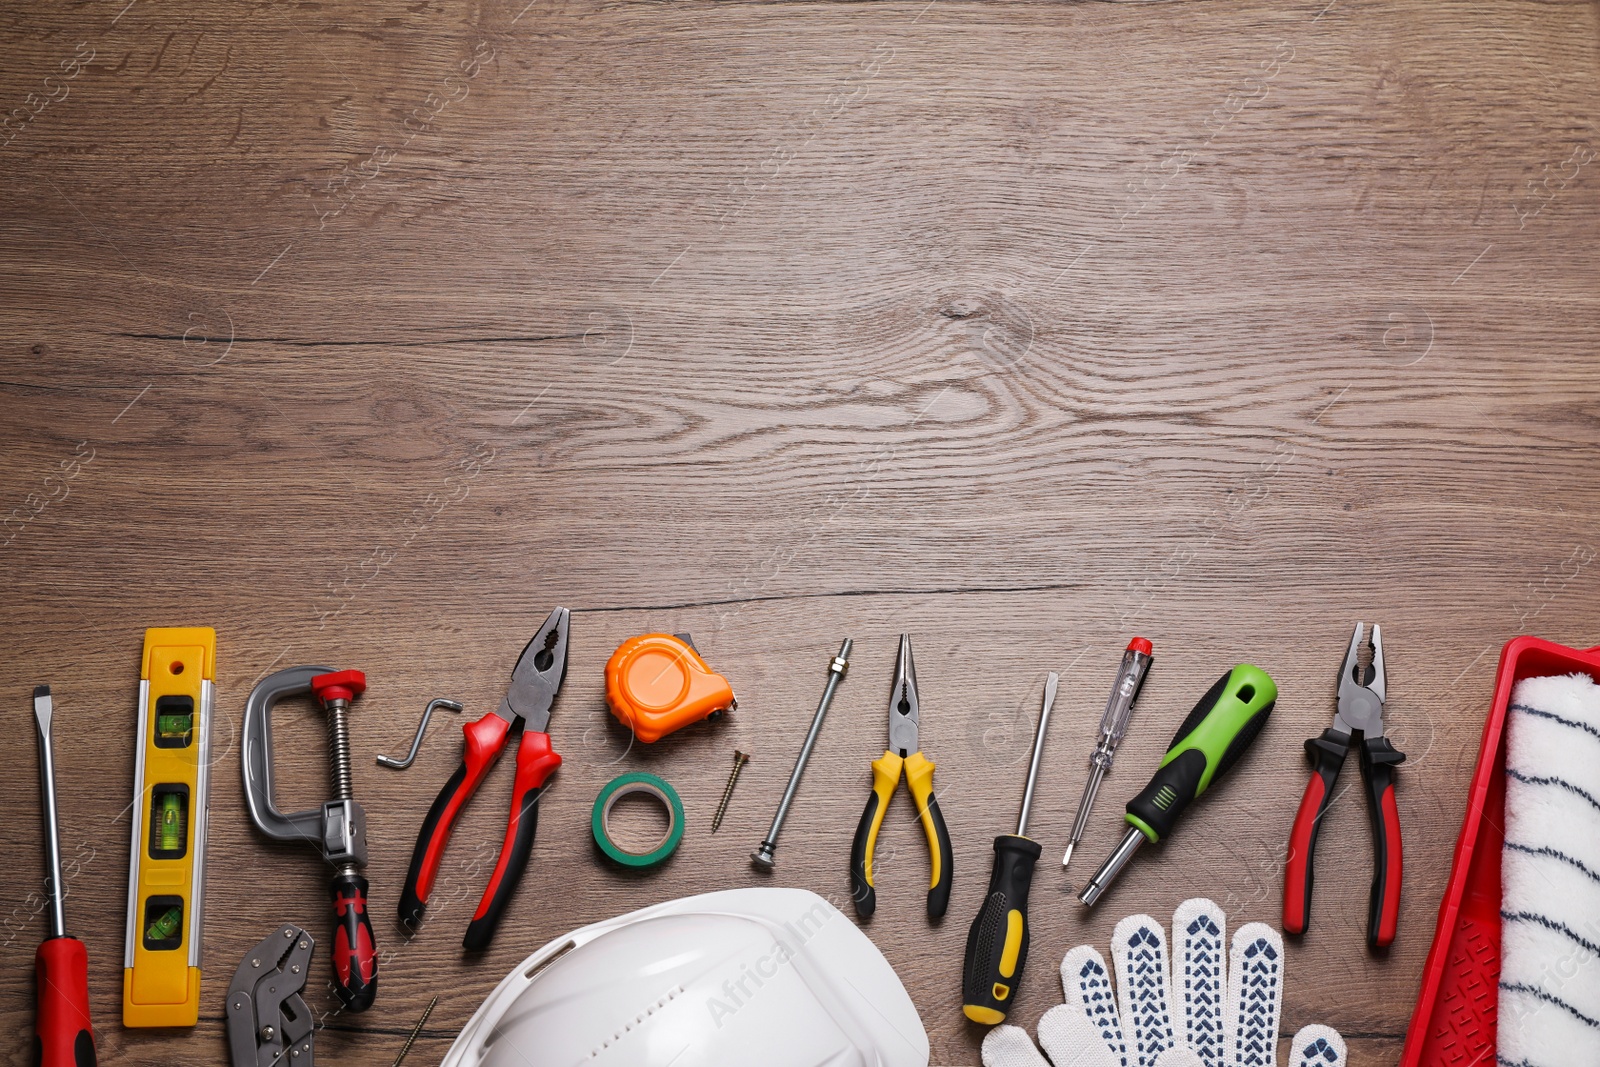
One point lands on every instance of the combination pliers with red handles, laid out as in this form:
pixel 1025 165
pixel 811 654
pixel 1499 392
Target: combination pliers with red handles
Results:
pixel 526 711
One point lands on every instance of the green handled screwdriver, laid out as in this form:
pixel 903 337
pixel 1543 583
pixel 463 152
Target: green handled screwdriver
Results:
pixel 1209 742
pixel 997 944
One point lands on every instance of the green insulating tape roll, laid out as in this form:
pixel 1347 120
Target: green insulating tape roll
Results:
pixel 627 785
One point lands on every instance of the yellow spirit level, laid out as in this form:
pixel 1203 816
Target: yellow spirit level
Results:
pixel 166 868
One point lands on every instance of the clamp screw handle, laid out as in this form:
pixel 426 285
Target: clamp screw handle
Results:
pixel 340 685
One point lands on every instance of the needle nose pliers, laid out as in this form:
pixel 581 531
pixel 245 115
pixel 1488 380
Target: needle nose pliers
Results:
pixel 903 755
pixel 526 711
pixel 1361 697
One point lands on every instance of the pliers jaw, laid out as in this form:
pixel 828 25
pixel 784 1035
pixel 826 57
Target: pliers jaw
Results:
pixel 1362 688
pixel 538 674
pixel 268 1022
pixel 903 719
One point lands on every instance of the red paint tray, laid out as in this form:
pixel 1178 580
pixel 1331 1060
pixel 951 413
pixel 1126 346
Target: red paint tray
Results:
pixel 1453 1024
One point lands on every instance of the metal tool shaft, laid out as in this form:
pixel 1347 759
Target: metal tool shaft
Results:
pixel 47 803
pixel 762 856
pixel 1131 841
pixel 1038 751
pixel 1091 789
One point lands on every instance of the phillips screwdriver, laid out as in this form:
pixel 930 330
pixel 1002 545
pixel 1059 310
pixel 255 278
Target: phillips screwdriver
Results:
pixel 61 1027
pixel 997 944
pixel 1119 709
pixel 1210 741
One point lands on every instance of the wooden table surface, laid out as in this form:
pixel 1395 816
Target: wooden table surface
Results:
pixel 367 333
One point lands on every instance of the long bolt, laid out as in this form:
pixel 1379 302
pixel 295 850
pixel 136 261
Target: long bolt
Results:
pixel 762 857
pixel 739 760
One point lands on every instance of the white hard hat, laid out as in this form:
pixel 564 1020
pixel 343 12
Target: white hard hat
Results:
pixel 775 976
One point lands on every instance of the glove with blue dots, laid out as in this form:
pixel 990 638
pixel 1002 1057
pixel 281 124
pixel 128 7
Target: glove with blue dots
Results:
pixel 1224 1012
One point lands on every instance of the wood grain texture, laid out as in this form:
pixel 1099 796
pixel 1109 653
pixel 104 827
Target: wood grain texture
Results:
pixel 366 333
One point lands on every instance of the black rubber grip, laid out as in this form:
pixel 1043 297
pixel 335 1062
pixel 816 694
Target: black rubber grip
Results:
pixel 1170 791
pixel 939 892
pixel 1378 760
pixel 412 902
pixel 861 891
pixel 1326 754
pixel 503 883
pixel 355 952
pixel 1178 781
pixel 985 981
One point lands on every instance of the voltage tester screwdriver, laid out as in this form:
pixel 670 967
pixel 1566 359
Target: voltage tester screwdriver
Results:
pixel 1113 724
pixel 1209 742
pixel 997 944
pixel 62 1035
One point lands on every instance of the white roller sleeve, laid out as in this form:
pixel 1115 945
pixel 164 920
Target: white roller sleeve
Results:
pixel 1550 873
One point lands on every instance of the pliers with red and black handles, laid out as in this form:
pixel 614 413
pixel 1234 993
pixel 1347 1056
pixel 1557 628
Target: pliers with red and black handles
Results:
pixel 525 711
pixel 1361 697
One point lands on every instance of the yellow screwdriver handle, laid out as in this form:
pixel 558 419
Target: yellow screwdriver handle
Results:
pixel 997 943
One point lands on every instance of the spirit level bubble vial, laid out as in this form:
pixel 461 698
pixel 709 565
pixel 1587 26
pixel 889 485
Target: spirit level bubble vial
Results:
pixel 166 869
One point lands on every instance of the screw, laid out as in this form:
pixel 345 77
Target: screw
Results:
pixel 415 1030
pixel 739 760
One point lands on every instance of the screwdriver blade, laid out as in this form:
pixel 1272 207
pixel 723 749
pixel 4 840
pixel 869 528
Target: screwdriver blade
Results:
pixel 1052 680
pixel 42 709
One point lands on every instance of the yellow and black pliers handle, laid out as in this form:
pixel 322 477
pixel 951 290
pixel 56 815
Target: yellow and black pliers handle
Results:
pixel 886 771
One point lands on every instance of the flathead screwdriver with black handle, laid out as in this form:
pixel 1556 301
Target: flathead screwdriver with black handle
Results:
pixel 62 1035
pixel 997 943
pixel 1210 741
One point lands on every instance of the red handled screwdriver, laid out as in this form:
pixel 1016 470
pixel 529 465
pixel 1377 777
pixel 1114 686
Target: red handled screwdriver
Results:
pixel 62 1035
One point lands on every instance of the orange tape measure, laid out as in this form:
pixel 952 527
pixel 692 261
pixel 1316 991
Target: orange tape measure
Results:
pixel 657 683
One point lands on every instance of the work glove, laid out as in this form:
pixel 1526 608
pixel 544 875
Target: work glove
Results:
pixel 1225 1013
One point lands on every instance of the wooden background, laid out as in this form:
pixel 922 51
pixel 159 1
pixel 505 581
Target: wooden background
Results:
pixel 367 333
